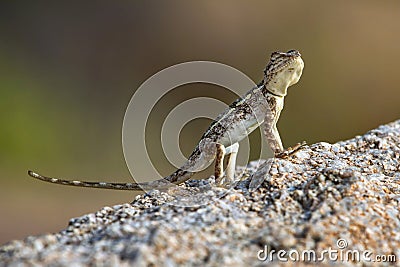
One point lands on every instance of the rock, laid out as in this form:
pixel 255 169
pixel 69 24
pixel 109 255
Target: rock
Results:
pixel 343 197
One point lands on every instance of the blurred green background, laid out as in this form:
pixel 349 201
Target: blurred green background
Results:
pixel 68 70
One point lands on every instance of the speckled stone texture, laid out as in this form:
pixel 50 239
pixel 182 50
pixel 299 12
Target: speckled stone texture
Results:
pixel 349 190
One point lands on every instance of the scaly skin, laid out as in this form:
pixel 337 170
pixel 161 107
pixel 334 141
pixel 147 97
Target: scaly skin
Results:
pixel 262 104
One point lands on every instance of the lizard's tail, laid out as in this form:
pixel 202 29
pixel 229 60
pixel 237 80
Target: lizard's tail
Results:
pixel 177 177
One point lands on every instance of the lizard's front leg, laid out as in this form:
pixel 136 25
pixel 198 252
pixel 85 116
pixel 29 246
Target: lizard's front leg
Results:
pixel 274 140
pixel 271 132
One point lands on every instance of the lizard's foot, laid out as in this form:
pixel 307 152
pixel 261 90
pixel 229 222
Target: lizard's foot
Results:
pixel 290 151
pixel 223 182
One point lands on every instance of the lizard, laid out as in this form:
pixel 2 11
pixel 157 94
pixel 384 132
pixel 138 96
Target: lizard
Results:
pixel 260 106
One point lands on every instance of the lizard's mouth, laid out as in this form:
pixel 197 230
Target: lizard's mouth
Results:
pixel 292 63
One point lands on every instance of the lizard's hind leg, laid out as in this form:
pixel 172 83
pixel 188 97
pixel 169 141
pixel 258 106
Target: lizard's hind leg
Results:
pixel 232 150
pixel 230 168
pixel 219 163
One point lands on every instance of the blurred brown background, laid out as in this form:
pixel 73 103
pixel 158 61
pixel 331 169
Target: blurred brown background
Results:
pixel 68 71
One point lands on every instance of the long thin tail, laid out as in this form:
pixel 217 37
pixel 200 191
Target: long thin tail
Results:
pixel 177 177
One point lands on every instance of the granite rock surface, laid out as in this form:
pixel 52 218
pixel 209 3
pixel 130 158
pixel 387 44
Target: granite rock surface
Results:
pixel 342 197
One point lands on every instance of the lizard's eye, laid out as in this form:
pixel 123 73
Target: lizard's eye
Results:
pixel 290 69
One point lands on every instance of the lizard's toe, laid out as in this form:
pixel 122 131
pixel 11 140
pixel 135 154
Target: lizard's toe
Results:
pixel 282 155
pixel 291 150
pixel 224 182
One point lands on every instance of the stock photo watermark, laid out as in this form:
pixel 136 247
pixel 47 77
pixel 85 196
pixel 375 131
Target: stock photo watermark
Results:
pixel 339 254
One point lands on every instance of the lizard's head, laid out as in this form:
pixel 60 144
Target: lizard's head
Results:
pixel 283 70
